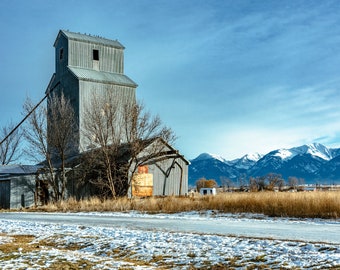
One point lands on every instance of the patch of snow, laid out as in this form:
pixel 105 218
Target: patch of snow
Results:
pixel 5 239
pixel 205 156
pixel 246 161
pixel 319 150
pixel 253 156
pixel 284 154
pixel 119 247
pixel 315 149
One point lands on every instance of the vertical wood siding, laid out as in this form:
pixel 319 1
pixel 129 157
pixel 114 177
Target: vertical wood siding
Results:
pixel 110 59
pixel 22 191
pixel 17 192
pixel 170 185
pixel 167 185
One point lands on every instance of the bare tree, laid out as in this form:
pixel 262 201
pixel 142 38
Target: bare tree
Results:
pixel 204 183
pixel 145 136
pixel 226 183
pixel 50 142
pixel 254 184
pixel 242 181
pixel 36 137
pixel 200 183
pixel 61 127
pixel 117 133
pixel 266 182
pixel 301 182
pixel 274 180
pixel 9 147
pixel 296 183
pixel 293 182
pixel 102 133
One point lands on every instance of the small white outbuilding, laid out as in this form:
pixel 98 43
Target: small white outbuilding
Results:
pixel 208 191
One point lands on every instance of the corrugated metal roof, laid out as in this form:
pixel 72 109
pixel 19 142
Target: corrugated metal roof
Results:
pixel 91 39
pixel 103 77
pixel 18 169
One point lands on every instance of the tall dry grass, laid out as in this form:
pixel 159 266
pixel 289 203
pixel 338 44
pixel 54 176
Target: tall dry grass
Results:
pixel 277 204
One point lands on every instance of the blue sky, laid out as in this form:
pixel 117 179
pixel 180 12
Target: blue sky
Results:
pixel 229 77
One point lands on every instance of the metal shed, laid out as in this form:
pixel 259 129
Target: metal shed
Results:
pixel 17 186
pixel 164 175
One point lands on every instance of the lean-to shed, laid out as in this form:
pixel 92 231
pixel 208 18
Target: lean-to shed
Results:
pixel 155 169
pixel 17 186
pixel 164 174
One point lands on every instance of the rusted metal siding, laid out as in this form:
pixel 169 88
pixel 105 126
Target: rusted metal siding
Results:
pixel 142 184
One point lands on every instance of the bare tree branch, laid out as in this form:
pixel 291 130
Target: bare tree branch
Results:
pixel 61 128
pixel 9 148
pixel 36 137
pixel 51 141
pixel 118 133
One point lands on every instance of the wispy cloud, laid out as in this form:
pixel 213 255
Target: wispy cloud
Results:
pixel 229 77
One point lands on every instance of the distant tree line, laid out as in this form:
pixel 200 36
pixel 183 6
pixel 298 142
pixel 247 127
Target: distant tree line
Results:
pixel 268 182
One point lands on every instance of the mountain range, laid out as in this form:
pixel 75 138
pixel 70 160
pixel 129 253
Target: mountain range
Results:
pixel 315 163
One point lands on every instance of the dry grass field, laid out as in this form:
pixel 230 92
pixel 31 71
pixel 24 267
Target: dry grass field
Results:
pixel 323 204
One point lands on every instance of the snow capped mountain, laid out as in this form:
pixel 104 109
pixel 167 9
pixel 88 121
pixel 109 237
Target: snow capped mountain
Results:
pixel 284 154
pixel 205 156
pixel 210 166
pixel 315 149
pixel 313 162
pixel 331 169
pixel 246 161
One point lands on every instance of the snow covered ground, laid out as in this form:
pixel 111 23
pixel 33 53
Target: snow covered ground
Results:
pixel 117 247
